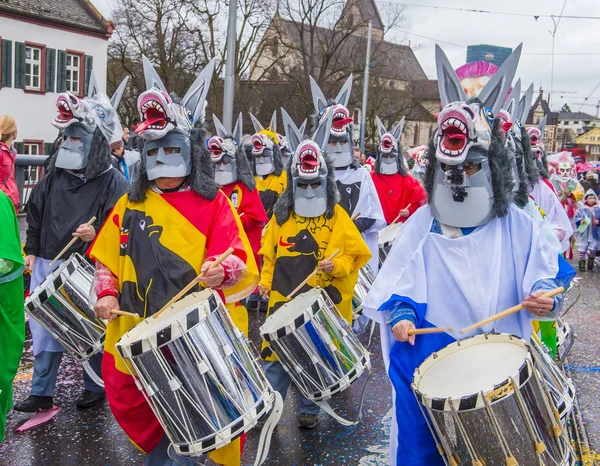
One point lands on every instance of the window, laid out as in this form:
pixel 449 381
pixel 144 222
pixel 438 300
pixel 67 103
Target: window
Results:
pixel 31 148
pixel 33 68
pixel 73 73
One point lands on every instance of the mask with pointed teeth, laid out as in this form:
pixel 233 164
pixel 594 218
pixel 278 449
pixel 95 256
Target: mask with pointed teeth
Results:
pixel 168 124
pixel 223 149
pixel 389 149
pixel 339 147
pixel 308 167
pixel 79 118
pixel 459 197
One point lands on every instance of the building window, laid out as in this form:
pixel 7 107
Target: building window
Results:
pixel 73 73
pixel 31 148
pixel 537 120
pixel 33 68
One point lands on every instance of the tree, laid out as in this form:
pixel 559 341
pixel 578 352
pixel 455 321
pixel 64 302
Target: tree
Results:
pixel 566 108
pixel 179 37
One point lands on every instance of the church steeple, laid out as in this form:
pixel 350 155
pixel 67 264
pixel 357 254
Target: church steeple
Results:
pixel 356 15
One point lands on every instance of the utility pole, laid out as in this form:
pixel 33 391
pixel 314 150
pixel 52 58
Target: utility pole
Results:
pixel 230 67
pixel 556 22
pixel 363 114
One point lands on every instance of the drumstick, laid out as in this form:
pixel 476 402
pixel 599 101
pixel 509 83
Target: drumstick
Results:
pixel 425 331
pixel 195 281
pixel 399 215
pixel 118 312
pixel 512 310
pixel 355 216
pixel 312 274
pixel 241 215
pixel 75 238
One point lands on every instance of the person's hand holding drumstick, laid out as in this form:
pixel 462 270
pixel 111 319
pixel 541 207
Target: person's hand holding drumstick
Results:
pixel 400 331
pixel 537 304
pixel 103 307
pixel 212 277
pixel 86 232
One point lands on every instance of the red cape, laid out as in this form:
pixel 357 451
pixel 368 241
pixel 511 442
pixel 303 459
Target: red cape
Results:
pixel 396 192
pixel 254 219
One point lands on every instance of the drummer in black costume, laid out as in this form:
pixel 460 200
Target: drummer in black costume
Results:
pixel 81 183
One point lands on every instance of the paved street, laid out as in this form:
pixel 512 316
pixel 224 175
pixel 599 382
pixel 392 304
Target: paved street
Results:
pixel 93 437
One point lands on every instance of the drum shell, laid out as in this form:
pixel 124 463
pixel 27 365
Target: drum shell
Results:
pixel 362 288
pixel 318 349
pixel 386 240
pixel 470 421
pixel 199 374
pixel 62 305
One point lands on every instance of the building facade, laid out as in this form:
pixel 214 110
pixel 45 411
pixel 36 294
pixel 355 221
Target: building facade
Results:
pixel 590 142
pixel 537 112
pixel 490 53
pixel 44 52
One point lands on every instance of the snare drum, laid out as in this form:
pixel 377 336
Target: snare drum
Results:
pixel 486 404
pixel 315 345
pixel 62 305
pixel 386 239
pixel 198 373
pixel 561 388
pixel 363 285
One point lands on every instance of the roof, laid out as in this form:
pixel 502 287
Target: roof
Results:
pixel 368 12
pixel 79 14
pixel 389 60
pixel 581 139
pixel 552 116
pixel 575 116
pixel 425 89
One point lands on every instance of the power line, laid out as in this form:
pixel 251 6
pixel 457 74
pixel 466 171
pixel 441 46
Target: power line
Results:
pixel 489 12
pixel 430 38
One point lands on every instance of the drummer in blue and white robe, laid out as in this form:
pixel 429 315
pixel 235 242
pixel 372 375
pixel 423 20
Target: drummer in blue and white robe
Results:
pixel 80 184
pixel 466 256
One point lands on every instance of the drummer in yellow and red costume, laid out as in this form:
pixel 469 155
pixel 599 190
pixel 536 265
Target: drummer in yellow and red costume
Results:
pixel 399 193
pixel 160 236
pixel 308 226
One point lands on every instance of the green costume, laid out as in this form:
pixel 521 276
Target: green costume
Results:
pixel 12 310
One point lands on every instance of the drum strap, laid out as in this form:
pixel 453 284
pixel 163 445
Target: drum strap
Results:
pixel 264 442
pixel 324 405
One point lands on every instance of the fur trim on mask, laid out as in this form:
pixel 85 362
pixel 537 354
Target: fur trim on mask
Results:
pixel 401 167
pixel 521 197
pixel 244 170
pixel 99 158
pixel 285 204
pixel 201 177
pixel 500 168
pixel 531 167
pixel 313 123
pixel 543 166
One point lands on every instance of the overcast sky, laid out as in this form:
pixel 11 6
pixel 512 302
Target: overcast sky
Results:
pixel 574 70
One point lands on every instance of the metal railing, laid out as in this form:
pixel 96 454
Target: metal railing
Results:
pixel 29 170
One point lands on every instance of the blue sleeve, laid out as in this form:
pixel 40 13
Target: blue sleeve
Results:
pixel 547 285
pixel 399 308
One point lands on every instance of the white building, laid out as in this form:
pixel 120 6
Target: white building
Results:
pixel 48 46
pixel 577 122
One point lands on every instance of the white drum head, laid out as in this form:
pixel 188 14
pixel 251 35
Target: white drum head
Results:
pixel 478 364
pixel 291 310
pixel 151 326
pixel 389 234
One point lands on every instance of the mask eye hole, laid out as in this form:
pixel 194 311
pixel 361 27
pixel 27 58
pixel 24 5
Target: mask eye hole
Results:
pixel 152 152
pixel 302 185
pixel 315 185
pixel 74 139
pixel 171 150
pixel 470 112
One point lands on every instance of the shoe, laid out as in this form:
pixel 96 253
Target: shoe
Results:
pixel 89 399
pixel 308 421
pixel 582 265
pixel 591 264
pixel 33 403
pixel 263 306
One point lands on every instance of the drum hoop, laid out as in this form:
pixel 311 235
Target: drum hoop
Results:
pixel 139 341
pixel 475 400
pixel 231 431
pixel 299 321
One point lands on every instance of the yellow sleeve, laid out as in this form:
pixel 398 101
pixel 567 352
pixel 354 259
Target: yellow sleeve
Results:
pixel 267 251
pixel 354 252
pixel 578 192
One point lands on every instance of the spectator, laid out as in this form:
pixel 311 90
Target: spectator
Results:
pixel 126 135
pixel 8 154
pixel 591 181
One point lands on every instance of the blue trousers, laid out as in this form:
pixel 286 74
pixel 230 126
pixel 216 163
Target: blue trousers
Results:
pixel 45 370
pixel 280 380
pixel 160 457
